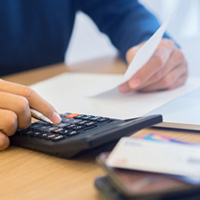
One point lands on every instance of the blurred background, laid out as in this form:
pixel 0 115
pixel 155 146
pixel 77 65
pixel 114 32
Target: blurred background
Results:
pixel 88 43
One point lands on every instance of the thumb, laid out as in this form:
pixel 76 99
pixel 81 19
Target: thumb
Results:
pixel 130 54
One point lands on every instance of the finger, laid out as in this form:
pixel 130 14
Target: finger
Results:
pixel 178 83
pixel 124 88
pixel 4 141
pixel 176 59
pixel 155 64
pixel 18 105
pixel 38 103
pixel 131 53
pixel 170 80
pixel 8 122
pixel 35 101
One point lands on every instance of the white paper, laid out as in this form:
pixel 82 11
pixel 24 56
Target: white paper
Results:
pixel 141 58
pixel 64 92
pixel 152 156
pixel 182 112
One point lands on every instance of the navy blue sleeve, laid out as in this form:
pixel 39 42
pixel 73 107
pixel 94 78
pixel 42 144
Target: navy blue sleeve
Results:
pixel 126 22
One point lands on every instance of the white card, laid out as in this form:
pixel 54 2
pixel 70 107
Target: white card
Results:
pixel 141 58
pixel 152 156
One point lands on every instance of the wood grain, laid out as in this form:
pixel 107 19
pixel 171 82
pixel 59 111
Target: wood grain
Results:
pixel 25 174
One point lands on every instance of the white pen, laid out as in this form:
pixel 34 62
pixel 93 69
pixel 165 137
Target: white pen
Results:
pixel 36 114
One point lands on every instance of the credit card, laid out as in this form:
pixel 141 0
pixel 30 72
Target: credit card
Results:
pixel 151 156
pixel 163 138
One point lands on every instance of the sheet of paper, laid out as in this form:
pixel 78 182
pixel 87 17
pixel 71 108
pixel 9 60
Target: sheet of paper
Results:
pixel 141 58
pixel 152 156
pixel 64 92
pixel 184 111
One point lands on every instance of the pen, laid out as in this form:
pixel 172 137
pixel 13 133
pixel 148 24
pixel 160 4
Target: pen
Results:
pixel 36 114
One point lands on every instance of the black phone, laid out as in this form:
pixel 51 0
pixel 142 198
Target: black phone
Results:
pixel 143 185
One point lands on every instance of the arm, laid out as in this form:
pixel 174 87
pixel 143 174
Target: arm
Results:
pixel 129 24
pixel 126 22
pixel 15 103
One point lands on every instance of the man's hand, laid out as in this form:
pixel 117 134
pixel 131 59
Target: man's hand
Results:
pixel 15 103
pixel 166 70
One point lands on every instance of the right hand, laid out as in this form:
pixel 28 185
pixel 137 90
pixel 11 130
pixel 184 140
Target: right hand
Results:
pixel 167 69
pixel 15 103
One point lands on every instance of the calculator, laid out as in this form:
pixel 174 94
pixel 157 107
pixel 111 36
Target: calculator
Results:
pixel 78 132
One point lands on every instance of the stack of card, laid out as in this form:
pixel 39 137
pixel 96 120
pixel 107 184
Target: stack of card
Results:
pixel 154 167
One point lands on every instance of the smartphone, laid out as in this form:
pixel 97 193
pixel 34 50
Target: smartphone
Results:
pixel 145 185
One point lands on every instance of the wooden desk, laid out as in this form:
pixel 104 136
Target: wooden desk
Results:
pixel 26 174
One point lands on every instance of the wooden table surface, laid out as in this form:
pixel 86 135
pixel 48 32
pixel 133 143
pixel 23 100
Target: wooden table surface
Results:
pixel 25 174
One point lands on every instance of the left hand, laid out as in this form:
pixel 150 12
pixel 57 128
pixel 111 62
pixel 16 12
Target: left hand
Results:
pixel 166 70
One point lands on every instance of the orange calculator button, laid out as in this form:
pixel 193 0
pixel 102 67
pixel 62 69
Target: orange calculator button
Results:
pixel 72 115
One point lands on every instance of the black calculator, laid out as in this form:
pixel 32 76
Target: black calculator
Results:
pixel 78 132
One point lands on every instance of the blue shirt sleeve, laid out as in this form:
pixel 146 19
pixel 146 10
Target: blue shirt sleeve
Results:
pixel 126 22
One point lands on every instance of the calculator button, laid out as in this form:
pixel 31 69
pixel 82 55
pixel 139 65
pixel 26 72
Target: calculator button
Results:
pixel 72 115
pixel 94 118
pixel 58 130
pixel 62 131
pixel 102 119
pixel 71 126
pixel 62 125
pixel 52 128
pixel 28 133
pixel 37 134
pixel 50 136
pixel 44 135
pixel 86 117
pixel 43 128
pixel 82 122
pixel 70 120
pixel 57 138
pixel 65 132
pixel 90 124
pixel 72 133
pixel 78 117
pixel 78 128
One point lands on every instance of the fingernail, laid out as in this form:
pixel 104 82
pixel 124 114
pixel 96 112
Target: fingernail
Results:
pixel 135 83
pixel 4 142
pixel 56 119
